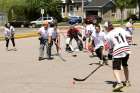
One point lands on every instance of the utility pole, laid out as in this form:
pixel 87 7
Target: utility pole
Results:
pixel 82 10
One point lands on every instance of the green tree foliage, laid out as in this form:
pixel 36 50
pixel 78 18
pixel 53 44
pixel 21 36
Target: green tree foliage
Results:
pixel 122 4
pixel 138 1
pixel 30 9
pixel 50 6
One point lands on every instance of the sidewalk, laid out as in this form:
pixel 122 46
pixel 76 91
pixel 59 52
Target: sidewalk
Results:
pixel 63 29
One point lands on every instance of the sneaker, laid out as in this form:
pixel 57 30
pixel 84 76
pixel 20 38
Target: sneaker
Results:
pixel 7 49
pixel 127 83
pixel 118 87
pixel 101 62
pixel 50 58
pixel 40 58
pixel 105 62
pixel 14 49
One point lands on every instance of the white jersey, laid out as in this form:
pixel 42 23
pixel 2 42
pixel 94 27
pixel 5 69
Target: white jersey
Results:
pixel 43 32
pixel 9 32
pixel 89 29
pixel 117 41
pixel 129 27
pixel 99 39
pixel 52 32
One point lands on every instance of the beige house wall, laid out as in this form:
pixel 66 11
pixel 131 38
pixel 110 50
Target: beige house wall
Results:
pixel 126 13
pixel 76 12
pixel 108 15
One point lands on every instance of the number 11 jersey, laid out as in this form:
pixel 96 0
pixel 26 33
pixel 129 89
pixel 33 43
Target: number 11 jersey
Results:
pixel 117 41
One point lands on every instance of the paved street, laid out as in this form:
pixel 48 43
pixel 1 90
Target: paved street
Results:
pixel 21 72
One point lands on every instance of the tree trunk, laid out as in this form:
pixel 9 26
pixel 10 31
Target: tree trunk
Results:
pixel 121 16
pixel 139 7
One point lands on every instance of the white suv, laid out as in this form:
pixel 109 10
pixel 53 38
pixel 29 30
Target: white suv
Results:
pixel 39 21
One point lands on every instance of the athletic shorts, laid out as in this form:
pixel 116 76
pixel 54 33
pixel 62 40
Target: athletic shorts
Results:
pixel 118 62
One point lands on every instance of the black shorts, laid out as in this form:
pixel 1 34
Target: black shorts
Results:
pixel 117 62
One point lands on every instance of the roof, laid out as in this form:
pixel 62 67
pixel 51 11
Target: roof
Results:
pixel 99 3
pixel 74 1
pixel 79 1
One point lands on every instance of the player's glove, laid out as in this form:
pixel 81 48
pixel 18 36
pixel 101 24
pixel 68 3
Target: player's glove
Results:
pixel 84 38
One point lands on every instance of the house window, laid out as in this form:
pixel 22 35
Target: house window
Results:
pixel 113 11
pixel 63 8
pixel 77 7
pixel 71 8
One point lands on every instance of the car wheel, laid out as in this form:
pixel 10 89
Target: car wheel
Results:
pixel 33 25
pixel 22 26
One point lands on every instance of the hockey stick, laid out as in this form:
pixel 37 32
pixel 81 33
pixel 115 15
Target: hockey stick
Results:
pixel 60 56
pixel 79 79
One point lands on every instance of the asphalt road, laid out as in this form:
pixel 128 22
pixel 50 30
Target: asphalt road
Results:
pixel 21 72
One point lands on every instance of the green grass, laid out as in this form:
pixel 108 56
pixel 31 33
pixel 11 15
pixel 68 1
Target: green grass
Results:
pixel 63 24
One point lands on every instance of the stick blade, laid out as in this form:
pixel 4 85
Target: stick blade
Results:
pixel 64 60
pixel 76 79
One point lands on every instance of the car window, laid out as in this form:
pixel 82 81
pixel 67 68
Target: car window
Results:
pixel 39 19
pixel 45 18
pixel 49 18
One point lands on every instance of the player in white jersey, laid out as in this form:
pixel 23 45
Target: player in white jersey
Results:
pixel 9 33
pixel 99 39
pixel 116 39
pixel 43 37
pixel 129 28
pixel 53 32
pixel 89 29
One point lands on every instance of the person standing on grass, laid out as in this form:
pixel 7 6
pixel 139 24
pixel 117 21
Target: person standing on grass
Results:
pixel 116 39
pixel 9 33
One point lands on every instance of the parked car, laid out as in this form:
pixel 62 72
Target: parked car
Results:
pixel 20 22
pixel 133 17
pixel 93 19
pixel 39 21
pixel 75 20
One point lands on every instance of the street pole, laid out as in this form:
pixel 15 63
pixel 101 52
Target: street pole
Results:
pixel 42 13
pixel 82 10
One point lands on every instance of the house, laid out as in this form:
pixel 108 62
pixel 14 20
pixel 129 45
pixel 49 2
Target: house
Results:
pixel 103 8
pixel 3 18
pixel 72 7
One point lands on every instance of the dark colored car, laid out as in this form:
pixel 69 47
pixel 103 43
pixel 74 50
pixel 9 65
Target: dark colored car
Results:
pixel 133 17
pixel 20 23
pixel 93 19
pixel 75 20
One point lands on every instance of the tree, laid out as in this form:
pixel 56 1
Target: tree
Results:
pixel 50 7
pixel 122 4
pixel 30 9
pixel 5 5
pixel 138 1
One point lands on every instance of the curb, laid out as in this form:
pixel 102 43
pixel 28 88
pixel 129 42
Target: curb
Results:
pixel 34 34
pixel 24 35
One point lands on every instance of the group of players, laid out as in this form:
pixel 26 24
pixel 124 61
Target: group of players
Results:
pixel 92 37
pixel 96 39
